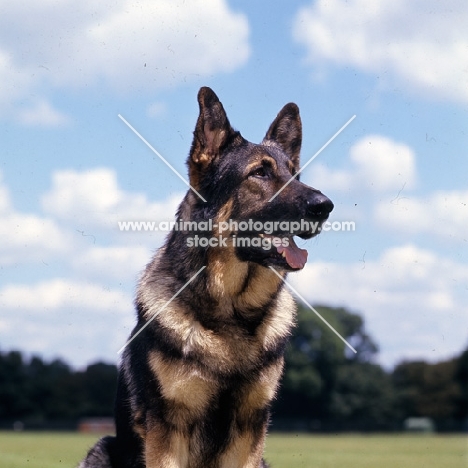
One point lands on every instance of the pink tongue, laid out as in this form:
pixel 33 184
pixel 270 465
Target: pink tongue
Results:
pixel 295 256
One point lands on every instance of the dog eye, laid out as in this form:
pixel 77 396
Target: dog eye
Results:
pixel 259 172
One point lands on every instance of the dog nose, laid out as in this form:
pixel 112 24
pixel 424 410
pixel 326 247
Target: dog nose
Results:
pixel 319 206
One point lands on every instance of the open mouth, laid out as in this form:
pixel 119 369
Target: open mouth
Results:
pixel 286 248
pixel 278 248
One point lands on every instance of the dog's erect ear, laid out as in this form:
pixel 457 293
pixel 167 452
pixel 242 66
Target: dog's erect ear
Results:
pixel 286 132
pixel 213 130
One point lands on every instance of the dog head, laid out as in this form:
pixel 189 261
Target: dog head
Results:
pixel 253 191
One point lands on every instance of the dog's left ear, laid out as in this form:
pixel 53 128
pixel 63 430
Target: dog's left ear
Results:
pixel 286 132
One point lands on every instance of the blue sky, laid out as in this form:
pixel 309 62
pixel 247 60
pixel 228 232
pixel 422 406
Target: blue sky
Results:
pixel 70 169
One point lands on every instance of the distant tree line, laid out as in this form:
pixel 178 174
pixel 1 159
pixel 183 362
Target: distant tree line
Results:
pixel 326 387
pixel 40 393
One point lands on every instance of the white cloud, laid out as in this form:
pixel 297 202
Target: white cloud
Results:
pixel 414 301
pixel 94 197
pixel 378 164
pixel 82 212
pixel 77 321
pixel 151 44
pixel 421 45
pixel 82 209
pixel 30 238
pixel 156 110
pixel 69 316
pixel 443 214
pixel 175 39
pixel 41 114
pixel 27 237
pixel 61 294
pixel 117 262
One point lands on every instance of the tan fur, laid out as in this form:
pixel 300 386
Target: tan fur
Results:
pixel 243 452
pixel 185 387
pixel 223 215
pixel 202 158
pixel 221 351
pixel 262 391
pixel 280 320
pixel 260 158
pixel 227 273
pixel 262 284
pixel 165 448
pixel 191 395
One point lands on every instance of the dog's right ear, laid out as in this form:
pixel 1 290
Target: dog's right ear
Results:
pixel 213 130
pixel 212 134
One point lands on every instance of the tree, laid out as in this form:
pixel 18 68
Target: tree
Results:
pixel 14 401
pixel 362 397
pixel 99 388
pixel 429 390
pixel 39 392
pixel 317 362
pixel 45 389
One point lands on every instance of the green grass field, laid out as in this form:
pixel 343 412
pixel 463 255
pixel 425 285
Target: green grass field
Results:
pixel 57 450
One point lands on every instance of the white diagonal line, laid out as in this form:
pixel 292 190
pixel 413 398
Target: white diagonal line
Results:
pixel 313 310
pixel 312 158
pixel 159 155
pixel 161 309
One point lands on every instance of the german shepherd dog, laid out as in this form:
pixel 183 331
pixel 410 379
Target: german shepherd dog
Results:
pixel 196 384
